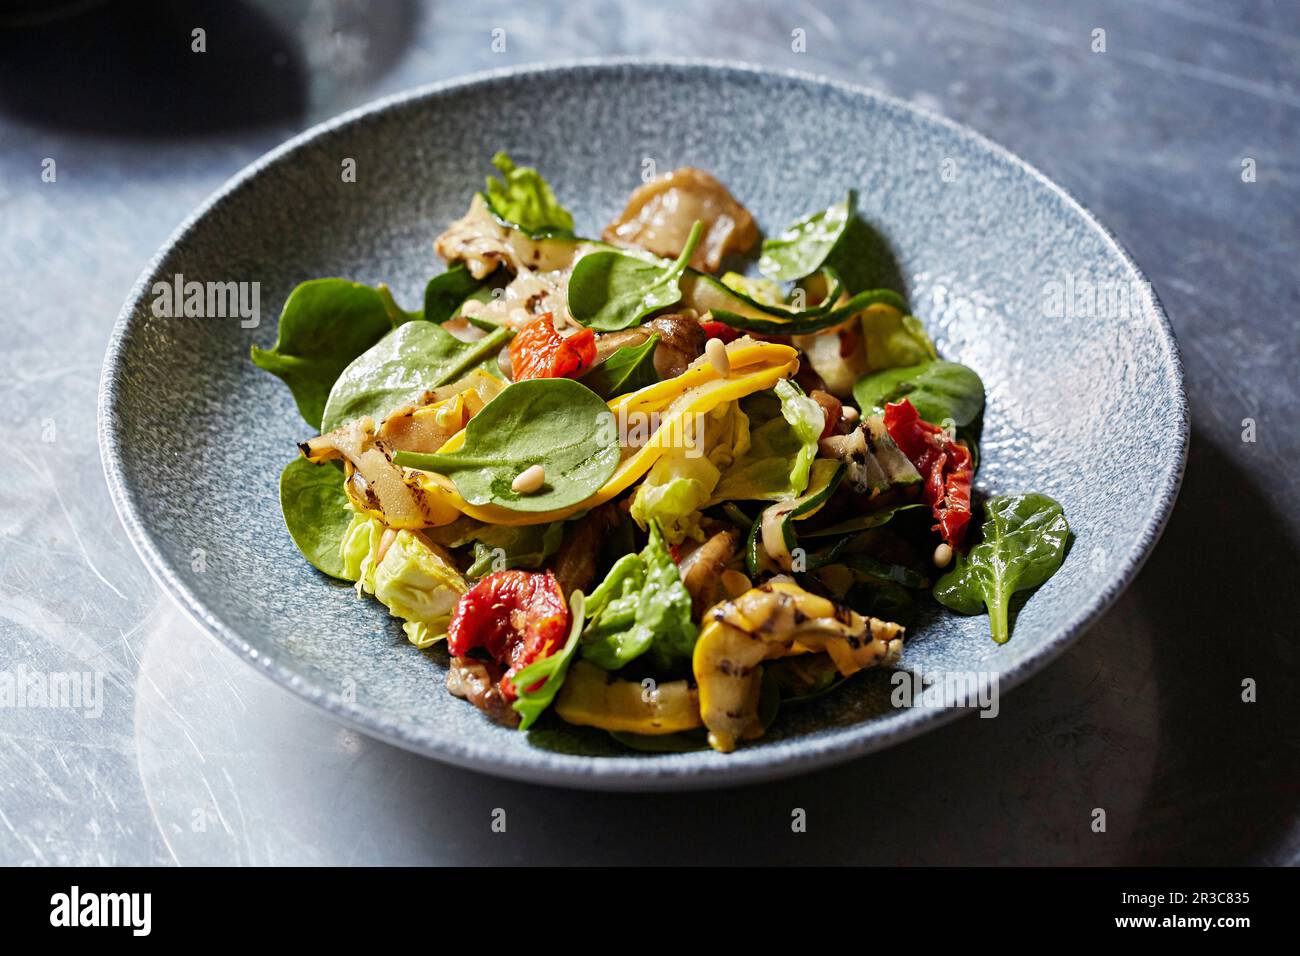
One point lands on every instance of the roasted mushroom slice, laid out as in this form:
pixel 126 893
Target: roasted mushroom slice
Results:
pixel 478 682
pixel 681 342
pixel 483 243
pixel 659 216
pixel 702 569
pixel 575 561
pixel 769 622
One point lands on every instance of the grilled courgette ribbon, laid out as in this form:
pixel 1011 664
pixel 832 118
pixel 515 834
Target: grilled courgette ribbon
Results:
pixel 755 366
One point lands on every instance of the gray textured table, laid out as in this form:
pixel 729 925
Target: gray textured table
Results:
pixel 193 758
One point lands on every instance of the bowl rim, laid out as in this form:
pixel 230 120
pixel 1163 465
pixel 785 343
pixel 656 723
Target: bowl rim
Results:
pixel 644 773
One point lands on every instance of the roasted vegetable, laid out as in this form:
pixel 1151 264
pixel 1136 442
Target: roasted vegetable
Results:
pixel 660 214
pixel 517 617
pixel 766 623
pixel 593 697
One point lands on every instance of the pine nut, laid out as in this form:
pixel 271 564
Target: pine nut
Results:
pixel 529 480
pixel 943 555
pixel 716 350
pixel 849 414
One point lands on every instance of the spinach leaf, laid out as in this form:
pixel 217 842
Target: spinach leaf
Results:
pixel 939 390
pixel 1023 544
pixel 525 546
pixel 641 606
pixel 531 699
pixel 324 325
pixel 316 513
pixel 521 197
pixel 409 360
pixel 886 601
pixel 800 249
pixel 630 368
pixel 446 293
pixel 611 291
pixel 554 422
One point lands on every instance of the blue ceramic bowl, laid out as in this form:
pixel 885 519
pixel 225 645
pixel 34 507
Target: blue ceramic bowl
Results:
pixel 1085 396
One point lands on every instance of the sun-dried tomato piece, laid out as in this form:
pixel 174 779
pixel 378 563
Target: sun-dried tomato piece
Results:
pixel 516 616
pixel 538 351
pixel 944 464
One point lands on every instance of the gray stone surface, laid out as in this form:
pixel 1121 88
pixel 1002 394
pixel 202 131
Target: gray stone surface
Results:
pixel 196 758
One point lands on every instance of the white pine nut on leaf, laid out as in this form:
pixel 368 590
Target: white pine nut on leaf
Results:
pixel 528 480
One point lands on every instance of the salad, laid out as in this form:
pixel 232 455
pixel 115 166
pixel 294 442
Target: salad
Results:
pixel 619 484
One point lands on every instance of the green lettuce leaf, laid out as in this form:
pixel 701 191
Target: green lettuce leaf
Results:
pixel 641 607
pixel 894 339
pixel 683 480
pixel 415 581
pixel 523 198
pixel 781 450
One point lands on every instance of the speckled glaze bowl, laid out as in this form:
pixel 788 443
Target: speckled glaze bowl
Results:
pixel 1085 402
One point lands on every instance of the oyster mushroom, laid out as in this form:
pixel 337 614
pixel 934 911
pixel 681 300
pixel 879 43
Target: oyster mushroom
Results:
pixel 659 216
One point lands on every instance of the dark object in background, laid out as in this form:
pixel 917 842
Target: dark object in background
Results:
pixel 106 66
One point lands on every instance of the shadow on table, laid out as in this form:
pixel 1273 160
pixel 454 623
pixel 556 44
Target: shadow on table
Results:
pixel 1226 780
pixel 130 68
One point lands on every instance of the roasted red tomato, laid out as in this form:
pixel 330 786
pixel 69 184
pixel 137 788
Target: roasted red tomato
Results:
pixel 538 351
pixel 719 330
pixel 516 616
pixel 944 464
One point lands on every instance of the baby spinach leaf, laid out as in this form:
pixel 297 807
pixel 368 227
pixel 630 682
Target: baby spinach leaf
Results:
pixel 611 291
pixel 641 606
pixel 521 197
pixel 533 698
pixel 557 423
pixel 446 293
pixel 324 325
pixel 411 359
pixel 800 249
pixel 883 600
pixel 939 390
pixel 1023 544
pixel 630 368
pixel 316 513
pixel 499 546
